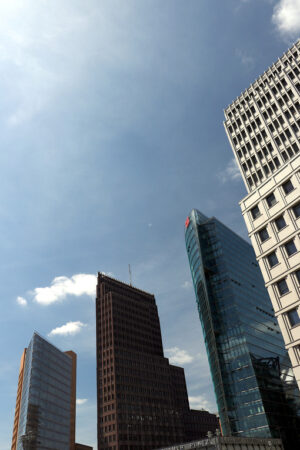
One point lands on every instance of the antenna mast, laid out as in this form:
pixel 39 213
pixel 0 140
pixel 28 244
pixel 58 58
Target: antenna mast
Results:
pixel 130 276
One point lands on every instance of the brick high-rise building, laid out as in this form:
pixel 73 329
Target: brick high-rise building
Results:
pixel 263 127
pixel 142 399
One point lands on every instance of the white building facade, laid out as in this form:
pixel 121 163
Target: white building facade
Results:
pixel 263 127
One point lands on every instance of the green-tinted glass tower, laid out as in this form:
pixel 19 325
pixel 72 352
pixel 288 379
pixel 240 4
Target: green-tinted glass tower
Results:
pixel 255 389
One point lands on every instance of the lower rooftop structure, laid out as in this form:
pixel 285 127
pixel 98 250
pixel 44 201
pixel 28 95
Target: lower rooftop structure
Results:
pixel 230 443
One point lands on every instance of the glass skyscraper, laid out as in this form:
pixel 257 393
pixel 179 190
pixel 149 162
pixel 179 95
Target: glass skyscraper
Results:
pixel 255 389
pixel 46 417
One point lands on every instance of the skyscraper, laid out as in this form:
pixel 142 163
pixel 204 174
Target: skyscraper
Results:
pixel 45 408
pixel 142 399
pixel 263 127
pixel 256 392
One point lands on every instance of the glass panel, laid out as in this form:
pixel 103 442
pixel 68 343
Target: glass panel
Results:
pixel 280 223
pixel 290 248
pixel 282 287
pixel 293 317
pixel 272 259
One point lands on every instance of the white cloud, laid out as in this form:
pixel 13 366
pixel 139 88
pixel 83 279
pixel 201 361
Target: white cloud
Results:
pixel 186 285
pixel 81 401
pixel 178 356
pixel 22 301
pixel 70 328
pixel 286 17
pixel 200 402
pixel 61 287
pixel 231 172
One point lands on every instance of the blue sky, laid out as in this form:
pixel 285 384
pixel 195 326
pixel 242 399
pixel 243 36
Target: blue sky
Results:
pixel 111 132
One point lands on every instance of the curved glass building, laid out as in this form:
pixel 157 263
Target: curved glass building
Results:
pixel 255 389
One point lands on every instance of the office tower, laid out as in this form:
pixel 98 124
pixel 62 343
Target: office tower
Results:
pixel 263 127
pixel 142 399
pixel 46 399
pixel 45 408
pixel 256 393
pixel 18 401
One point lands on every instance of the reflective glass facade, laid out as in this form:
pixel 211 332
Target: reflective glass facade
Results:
pixel 45 412
pixel 254 385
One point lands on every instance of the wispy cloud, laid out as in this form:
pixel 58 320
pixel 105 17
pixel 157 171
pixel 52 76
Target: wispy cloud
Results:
pixel 230 173
pixel 61 287
pixel 81 401
pixel 286 17
pixel 70 328
pixel 178 356
pixel 200 402
pixel 22 301
pixel 247 60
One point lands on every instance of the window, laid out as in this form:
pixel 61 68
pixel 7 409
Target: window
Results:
pixel 288 187
pixel 296 210
pixel 280 223
pixel 272 259
pixel 288 134
pixel 256 213
pixel 290 247
pixel 276 161
pixel 271 200
pixel 263 234
pixel 297 274
pixel 293 317
pixel 282 286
